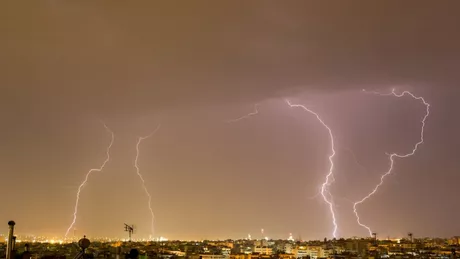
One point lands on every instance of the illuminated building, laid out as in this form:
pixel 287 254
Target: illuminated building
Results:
pixel 206 256
pixel 454 241
pixel 226 251
pixel 288 248
pixel 311 251
pixel 300 252
pixel 263 250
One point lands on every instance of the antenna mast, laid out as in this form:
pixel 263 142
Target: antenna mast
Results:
pixel 130 230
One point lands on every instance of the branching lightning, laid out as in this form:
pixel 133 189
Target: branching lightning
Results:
pixel 87 177
pixel 136 165
pixel 327 196
pixel 255 112
pixel 324 191
pixel 394 155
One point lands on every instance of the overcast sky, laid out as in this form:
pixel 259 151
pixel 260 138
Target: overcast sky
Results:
pixel 65 66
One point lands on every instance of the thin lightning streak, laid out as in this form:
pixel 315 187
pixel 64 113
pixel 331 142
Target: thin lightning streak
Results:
pixel 255 112
pixel 315 196
pixel 356 159
pixel 394 155
pixel 136 165
pixel 87 177
pixel 330 176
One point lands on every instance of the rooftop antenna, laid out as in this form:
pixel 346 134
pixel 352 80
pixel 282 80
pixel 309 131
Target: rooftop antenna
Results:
pixel 130 230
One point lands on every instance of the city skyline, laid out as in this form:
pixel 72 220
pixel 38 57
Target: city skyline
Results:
pixel 21 238
pixel 195 67
pixel 248 248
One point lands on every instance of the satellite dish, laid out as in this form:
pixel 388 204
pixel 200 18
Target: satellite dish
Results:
pixel 84 243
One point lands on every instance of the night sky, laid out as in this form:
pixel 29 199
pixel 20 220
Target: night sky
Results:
pixel 67 66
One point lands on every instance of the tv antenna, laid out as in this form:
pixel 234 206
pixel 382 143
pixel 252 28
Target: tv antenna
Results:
pixel 130 230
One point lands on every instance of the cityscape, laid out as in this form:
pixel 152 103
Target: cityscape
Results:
pixel 229 129
pixel 248 248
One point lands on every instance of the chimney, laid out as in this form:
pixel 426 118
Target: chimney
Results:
pixel 14 244
pixel 10 244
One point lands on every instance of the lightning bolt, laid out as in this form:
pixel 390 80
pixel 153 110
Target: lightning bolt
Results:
pixel 255 112
pixel 136 165
pixel 394 155
pixel 324 191
pixel 87 177
pixel 327 196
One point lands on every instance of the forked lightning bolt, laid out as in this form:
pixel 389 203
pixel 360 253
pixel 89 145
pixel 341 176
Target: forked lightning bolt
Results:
pixel 394 155
pixel 255 112
pixel 87 177
pixel 136 165
pixel 329 177
pixel 327 196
